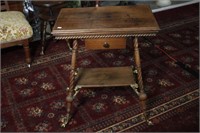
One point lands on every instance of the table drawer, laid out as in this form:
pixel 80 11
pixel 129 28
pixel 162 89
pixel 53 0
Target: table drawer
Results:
pixel 106 43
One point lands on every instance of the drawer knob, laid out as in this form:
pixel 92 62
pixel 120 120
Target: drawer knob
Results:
pixel 106 45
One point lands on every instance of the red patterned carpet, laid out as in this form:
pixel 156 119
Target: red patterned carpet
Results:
pixel 33 99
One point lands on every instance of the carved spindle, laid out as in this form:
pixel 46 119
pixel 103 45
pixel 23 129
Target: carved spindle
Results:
pixel 72 72
pixel 142 95
pixel 70 91
pixel 138 65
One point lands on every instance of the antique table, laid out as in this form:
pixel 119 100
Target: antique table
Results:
pixel 105 28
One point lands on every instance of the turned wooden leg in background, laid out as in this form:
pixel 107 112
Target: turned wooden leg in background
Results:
pixel 43 36
pixel 71 89
pixel 142 94
pixel 27 52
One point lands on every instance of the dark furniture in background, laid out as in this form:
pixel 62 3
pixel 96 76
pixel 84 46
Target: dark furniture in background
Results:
pixel 15 30
pixel 47 12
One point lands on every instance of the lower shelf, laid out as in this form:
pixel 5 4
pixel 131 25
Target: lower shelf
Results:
pixel 105 77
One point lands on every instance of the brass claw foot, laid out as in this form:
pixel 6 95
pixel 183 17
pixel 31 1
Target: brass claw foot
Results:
pixel 64 120
pixel 150 123
pixel 42 52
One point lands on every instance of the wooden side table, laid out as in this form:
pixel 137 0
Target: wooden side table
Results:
pixel 105 28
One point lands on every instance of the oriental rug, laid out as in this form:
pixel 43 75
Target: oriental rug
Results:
pixel 33 99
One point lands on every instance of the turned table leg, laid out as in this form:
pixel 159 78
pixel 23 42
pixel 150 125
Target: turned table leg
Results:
pixel 27 52
pixel 142 94
pixel 70 91
pixel 43 35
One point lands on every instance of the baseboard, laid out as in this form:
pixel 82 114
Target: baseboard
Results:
pixel 174 6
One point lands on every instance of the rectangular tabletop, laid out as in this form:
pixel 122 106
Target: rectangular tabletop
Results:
pixel 105 20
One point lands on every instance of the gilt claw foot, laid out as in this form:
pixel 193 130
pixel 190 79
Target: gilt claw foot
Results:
pixel 64 120
pixel 42 53
pixel 150 123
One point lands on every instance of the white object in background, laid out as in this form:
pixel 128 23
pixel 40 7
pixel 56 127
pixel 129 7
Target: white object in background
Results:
pixel 163 2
